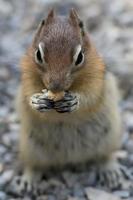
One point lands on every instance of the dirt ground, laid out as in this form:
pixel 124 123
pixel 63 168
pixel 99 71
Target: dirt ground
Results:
pixel 110 24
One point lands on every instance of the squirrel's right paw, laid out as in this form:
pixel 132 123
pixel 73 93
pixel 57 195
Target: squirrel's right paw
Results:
pixel 41 103
pixel 22 185
pixel 27 184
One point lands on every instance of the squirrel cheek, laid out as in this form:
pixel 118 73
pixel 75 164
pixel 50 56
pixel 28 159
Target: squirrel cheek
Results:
pixel 68 83
pixel 45 81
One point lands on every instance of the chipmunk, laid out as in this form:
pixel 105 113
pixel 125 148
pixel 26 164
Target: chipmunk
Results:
pixel 84 124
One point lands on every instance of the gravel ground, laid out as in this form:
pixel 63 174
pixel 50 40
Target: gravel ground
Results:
pixel 111 27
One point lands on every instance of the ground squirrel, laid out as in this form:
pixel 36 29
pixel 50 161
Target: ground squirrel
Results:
pixel 84 123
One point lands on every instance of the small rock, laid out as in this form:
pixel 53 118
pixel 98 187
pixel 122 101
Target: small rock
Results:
pixel 14 127
pixel 70 178
pixel 73 198
pixel 2 196
pixel 1 168
pixel 54 183
pixel 5 7
pixel 129 146
pixel 128 117
pixel 51 197
pixel 43 186
pixel 4 111
pixel 125 139
pixel 64 193
pixel 2 149
pixel 6 140
pixel 121 154
pixel 8 158
pixel 130 159
pixel 42 197
pixel 26 198
pixel 93 194
pixel 131 190
pixel 126 19
pixel 3 125
pixel 6 177
pixel 4 75
pixel 88 179
pixel 14 136
pixel 124 194
pixel 78 191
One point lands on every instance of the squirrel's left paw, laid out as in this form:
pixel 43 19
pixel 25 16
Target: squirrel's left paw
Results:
pixel 110 175
pixel 69 103
pixel 41 103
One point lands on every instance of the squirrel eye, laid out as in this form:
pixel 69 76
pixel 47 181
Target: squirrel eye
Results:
pixel 79 56
pixel 39 54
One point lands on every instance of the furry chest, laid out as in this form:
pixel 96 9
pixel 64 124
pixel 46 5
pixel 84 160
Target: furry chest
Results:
pixel 67 143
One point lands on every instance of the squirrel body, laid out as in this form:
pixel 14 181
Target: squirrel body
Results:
pixel 59 140
pixel 83 127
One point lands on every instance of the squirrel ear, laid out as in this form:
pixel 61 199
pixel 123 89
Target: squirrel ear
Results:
pixel 75 19
pixel 50 16
pixel 74 16
pixel 41 24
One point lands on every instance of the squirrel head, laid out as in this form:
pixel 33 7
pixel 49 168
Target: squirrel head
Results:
pixel 59 48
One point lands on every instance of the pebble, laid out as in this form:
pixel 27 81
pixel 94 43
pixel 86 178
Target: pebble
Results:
pixel 73 198
pixel 4 111
pixel 129 146
pixel 51 197
pixel 4 74
pixel 43 186
pixel 64 193
pixel 5 8
pixel 78 190
pixel 128 117
pixel 3 196
pixel 124 194
pixel 121 154
pixel 126 20
pixel 94 194
pixel 1 168
pixel 55 183
pixel 130 159
pixel 6 140
pixel 43 197
pixel 14 127
pixel 5 177
pixel 3 150
pixel 70 179
pixel 8 158
pixel 88 179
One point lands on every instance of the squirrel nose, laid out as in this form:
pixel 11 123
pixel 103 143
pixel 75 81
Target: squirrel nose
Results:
pixel 55 86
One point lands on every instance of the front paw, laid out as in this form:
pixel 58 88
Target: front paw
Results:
pixel 69 103
pixel 41 103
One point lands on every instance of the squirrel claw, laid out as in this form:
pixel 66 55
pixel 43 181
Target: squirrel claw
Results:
pixel 68 104
pixel 111 175
pixel 41 104
pixel 25 184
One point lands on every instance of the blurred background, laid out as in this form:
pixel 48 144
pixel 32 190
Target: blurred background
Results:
pixel 110 24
